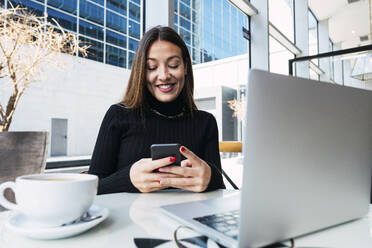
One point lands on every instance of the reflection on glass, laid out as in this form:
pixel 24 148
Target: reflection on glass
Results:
pixel 136 1
pixel 116 56
pixel 32 7
pixel 116 39
pixel 91 11
pixel 65 21
pixel 101 2
pixel 212 28
pixel 187 2
pixel 279 57
pixel 185 11
pixel 133 44
pixel 185 36
pixel 134 30
pixel 116 22
pixel 184 23
pixel 95 51
pixel 66 5
pixel 118 5
pixel 91 30
pixel 123 30
pixel 130 59
pixel 134 12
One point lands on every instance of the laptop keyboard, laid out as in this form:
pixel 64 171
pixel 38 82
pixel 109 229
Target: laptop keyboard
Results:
pixel 227 223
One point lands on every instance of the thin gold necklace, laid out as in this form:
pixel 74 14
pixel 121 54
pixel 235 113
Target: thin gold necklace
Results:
pixel 168 116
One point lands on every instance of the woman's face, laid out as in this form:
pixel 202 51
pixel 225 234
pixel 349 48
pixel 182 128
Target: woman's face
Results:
pixel 165 71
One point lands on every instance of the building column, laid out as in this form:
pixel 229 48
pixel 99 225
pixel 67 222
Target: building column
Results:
pixel 302 36
pixel 324 63
pixel 260 36
pixel 159 12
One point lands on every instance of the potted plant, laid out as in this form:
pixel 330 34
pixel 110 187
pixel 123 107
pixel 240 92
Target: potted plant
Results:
pixel 28 44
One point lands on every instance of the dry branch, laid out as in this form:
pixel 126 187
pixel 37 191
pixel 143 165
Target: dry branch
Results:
pixel 27 42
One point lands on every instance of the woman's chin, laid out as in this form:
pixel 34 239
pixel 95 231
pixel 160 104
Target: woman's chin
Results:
pixel 166 98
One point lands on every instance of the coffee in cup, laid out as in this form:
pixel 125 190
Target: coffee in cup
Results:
pixel 49 200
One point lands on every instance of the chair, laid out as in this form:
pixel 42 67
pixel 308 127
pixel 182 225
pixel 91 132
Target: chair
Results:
pixel 230 146
pixel 21 153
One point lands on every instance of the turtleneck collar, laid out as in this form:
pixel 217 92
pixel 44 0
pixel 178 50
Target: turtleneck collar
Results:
pixel 166 108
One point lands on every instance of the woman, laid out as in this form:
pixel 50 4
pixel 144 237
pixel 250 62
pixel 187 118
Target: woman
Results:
pixel 158 108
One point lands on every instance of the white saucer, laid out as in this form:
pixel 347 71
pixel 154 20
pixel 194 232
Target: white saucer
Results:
pixel 18 224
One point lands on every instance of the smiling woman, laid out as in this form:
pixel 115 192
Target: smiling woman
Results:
pixel 157 108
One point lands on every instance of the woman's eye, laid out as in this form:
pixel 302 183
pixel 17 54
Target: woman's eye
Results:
pixel 173 66
pixel 151 68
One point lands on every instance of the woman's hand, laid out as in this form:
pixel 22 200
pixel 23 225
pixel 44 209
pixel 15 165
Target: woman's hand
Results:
pixel 194 174
pixel 143 176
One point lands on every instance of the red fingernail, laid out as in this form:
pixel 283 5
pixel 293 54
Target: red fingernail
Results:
pixel 159 181
pixel 183 148
pixel 172 159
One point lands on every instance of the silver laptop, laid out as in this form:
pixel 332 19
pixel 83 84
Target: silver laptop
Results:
pixel 307 164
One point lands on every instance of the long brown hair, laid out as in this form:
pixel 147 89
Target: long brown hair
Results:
pixel 135 97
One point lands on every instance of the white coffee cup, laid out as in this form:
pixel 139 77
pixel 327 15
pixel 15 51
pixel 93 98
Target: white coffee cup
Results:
pixel 49 200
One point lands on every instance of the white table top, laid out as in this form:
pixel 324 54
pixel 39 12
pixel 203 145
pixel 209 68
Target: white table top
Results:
pixel 139 216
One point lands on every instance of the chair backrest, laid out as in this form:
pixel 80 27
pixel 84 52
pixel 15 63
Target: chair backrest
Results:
pixel 230 146
pixel 22 153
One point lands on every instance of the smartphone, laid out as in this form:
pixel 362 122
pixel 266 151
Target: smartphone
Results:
pixel 166 150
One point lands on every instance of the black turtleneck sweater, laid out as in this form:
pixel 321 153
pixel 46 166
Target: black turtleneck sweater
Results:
pixel 125 137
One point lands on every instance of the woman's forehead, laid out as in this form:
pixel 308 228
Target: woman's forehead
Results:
pixel 163 49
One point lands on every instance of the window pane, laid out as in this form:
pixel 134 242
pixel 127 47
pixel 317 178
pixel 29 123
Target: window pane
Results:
pixel 66 5
pixel 91 12
pixel 101 2
pixel 185 11
pixel 187 2
pixel 116 22
pixel 116 56
pixel 281 16
pixel 130 59
pixel 133 44
pixel 279 57
pixel 185 36
pixel 91 30
pixel 137 1
pixel 184 23
pixel 176 6
pixel 212 27
pixel 134 29
pixel 65 21
pixel 134 12
pixel 118 5
pixel 313 36
pixel 32 7
pixel 95 51
pixel 116 39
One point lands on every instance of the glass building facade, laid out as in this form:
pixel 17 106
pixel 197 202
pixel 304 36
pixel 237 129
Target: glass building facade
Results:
pixel 112 28
pixel 211 29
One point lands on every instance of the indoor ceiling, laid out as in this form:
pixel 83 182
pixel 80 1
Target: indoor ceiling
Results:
pixel 348 20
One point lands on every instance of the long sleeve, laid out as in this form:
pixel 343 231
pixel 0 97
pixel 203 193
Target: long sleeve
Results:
pixel 212 156
pixel 105 156
pixel 124 138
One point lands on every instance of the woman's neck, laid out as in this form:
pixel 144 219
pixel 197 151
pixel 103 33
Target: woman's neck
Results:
pixel 174 107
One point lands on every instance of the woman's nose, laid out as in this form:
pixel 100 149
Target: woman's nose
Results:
pixel 163 74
